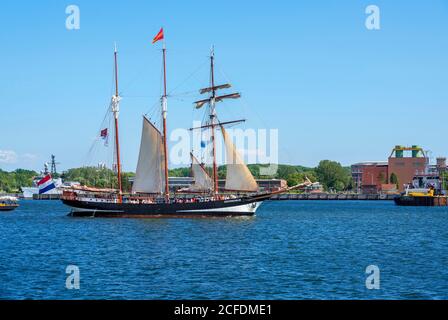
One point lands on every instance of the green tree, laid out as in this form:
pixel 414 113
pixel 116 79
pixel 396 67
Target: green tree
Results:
pixel 332 175
pixel 125 183
pixel 180 172
pixel 295 179
pixel 98 177
pixel 283 171
pixel 13 181
pixel 444 178
pixel 351 184
pixel 394 179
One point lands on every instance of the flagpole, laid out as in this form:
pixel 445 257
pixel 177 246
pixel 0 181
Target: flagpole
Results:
pixel 164 115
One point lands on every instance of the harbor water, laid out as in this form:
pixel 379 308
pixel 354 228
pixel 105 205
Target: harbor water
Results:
pixel 290 250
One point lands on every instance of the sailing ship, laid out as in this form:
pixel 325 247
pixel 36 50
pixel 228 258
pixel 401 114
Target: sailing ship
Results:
pixel 150 196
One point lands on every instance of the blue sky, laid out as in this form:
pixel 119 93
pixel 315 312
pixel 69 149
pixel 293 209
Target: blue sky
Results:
pixel 334 89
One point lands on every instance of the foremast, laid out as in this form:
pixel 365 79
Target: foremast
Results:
pixel 116 110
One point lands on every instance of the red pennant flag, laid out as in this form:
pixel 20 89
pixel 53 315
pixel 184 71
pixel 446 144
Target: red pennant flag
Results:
pixel 158 37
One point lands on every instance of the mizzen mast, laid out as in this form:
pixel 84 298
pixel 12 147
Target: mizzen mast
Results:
pixel 116 110
pixel 212 112
pixel 212 120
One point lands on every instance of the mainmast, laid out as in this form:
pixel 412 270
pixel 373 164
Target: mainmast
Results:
pixel 116 109
pixel 158 37
pixel 164 113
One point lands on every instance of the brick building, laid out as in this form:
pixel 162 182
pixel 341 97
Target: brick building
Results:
pixel 406 163
pixel 369 176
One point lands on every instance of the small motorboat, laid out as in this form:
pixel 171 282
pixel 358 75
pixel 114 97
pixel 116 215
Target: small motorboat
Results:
pixel 8 203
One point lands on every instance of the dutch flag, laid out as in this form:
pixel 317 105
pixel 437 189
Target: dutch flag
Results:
pixel 46 184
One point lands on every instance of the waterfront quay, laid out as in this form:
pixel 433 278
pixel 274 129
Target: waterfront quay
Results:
pixel 47 196
pixel 332 196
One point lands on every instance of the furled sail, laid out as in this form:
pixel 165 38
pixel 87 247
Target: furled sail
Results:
pixel 150 168
pixel 201 103
pixel 238 178
pixel 202 181
pixel 210 89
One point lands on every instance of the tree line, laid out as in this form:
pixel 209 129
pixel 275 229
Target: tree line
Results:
pixel 332 175
pixel 10 182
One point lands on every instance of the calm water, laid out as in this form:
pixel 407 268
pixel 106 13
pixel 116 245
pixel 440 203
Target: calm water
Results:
pixel 290 250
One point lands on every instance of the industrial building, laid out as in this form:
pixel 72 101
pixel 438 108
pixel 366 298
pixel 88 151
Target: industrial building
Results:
pixel 369 176
pixel 406 163
pixel 392 176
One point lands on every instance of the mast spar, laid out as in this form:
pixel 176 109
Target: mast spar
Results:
pixel 116 109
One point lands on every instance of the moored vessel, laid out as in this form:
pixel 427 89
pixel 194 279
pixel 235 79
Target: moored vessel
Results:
pixel 8 203
pixel 422 197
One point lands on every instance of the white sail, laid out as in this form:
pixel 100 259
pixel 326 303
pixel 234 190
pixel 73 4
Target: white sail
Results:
pixel 238 178
pixel 149 176
pixel 202 181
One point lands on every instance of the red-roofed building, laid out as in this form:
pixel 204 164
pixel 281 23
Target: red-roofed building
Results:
pixel 369 176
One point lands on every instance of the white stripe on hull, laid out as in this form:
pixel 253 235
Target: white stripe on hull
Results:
pixel 244 208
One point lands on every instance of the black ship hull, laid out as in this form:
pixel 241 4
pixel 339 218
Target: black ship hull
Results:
pixel 8 207
pixel 425 201
pixel 246 206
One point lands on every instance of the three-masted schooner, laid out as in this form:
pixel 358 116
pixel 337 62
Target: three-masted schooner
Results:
pixel 150 195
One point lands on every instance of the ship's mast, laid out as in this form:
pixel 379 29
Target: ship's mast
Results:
pixel 164 113
pixel 212 120
pixel 116 110
pixel 211 101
